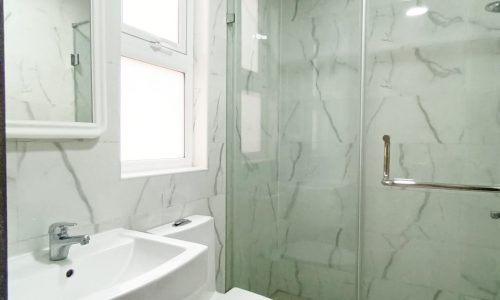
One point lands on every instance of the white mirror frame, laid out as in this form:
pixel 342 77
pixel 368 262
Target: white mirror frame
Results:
pixel 76 130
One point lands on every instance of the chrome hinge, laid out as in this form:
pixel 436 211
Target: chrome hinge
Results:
pixel 230 18
pixel 75 59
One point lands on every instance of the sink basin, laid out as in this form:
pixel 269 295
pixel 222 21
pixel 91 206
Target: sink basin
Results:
pixel 117 264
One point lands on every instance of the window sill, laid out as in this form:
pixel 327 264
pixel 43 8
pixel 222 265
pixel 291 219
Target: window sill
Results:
pixel 129 175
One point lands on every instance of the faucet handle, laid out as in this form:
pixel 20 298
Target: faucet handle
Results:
pixel 61 226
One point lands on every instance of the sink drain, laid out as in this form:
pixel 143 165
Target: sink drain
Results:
pixel 70 273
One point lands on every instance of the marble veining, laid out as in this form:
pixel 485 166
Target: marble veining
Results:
pixel 428 120
pixel 29 94
pixel 443 21
pixel 219 171
pixel 430 83
pixel 80 181
pixel 78 184
pixel 141 195
pixel 435 67
pixel 293 235
pixel 435 245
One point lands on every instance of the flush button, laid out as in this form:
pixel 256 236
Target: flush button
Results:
pixel 495 215
pixel 182 222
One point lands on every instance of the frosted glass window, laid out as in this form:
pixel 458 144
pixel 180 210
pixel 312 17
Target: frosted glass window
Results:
pixel 250 122
pixel 158 17
pixel 152 111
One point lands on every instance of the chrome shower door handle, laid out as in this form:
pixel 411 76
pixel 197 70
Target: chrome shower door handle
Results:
pixel 387 156
pixel 411 183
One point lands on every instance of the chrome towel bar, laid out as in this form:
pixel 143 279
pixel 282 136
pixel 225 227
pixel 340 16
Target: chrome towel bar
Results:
pixel 411 183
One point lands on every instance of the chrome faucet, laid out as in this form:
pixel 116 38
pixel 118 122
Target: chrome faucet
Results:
pixel 60 241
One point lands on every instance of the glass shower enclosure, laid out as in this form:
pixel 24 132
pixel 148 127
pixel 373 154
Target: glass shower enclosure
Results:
pixel 313 88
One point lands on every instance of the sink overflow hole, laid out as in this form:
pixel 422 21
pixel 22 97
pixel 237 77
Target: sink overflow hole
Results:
pixel 70 273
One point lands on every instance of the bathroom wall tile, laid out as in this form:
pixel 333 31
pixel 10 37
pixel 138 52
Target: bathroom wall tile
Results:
pixel 80 181
pixel 121 222
pixel 386 289
pixel 307 281
pixel 429 87
pixel 39 205
pixel 217 209
pixel 423 263
pixel 143 222
pixel 255 227
pixel 320 74
pixel 217 106
pixel 40 84
pixel 289 207
pixel 296 10
pixel 23 246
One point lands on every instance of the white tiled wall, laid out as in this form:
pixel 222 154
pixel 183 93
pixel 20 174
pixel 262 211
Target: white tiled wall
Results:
pixel 79 180
pixel 39 41
pixel 430 85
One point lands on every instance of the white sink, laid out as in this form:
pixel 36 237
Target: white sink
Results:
pixel 117 264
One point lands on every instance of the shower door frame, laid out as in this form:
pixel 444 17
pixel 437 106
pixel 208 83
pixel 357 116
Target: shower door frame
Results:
pixel 233 25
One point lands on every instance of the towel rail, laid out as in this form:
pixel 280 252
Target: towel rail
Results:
pixel 411 183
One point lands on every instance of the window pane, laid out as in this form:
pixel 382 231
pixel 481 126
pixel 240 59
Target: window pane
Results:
pixel 152 111
pixel 158 17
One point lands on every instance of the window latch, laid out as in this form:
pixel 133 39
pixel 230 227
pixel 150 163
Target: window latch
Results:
pixel 159 46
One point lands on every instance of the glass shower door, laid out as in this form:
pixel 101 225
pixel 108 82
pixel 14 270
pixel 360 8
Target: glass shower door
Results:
pixel 252 147
pixel 293 148
pixel 319 150
pixel 431 83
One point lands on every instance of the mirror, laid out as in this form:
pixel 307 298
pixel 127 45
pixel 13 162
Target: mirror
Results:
pixel 53 68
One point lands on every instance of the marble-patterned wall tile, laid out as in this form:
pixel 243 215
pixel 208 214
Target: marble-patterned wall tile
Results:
pixel 41 84
pixel 80 181
pixel 318 149
pixel 308 281
pixel 294 204
pixel 386 289
pixel 294 10
pixel 428 85
pixel 252 178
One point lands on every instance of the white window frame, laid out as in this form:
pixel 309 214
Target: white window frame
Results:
pixel 185 21
pixel 147 48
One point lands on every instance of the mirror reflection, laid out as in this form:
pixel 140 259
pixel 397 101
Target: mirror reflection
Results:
pixel 48 60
